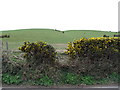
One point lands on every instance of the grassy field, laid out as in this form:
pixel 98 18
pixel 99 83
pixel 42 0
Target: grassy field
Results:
pixel 58 39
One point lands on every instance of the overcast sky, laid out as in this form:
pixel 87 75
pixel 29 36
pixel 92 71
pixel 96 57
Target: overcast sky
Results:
pixel 59 14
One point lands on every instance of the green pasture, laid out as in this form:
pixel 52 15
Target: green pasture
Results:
pixel 17 37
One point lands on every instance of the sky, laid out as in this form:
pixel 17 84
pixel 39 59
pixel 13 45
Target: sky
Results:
pixel 59 14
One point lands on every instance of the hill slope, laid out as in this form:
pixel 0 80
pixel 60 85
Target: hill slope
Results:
pixel 17 37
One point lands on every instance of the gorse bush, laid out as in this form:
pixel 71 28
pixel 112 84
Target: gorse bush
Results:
pixel 40 59
pixel 38 52
pixel 94 56
pixel 93 46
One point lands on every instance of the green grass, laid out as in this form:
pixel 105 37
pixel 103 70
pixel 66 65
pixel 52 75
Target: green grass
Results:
pixel 17 37
pixel 67 78
pixel 45 81
pixel 10 79
pixel 70 78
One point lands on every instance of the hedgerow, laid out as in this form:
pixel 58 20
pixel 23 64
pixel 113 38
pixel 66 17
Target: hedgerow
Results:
pixel 95 56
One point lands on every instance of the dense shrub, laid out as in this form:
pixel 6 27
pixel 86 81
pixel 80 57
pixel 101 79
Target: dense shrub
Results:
pixel 38 52
pixel 34 73
pixel 40 59
pixel 14 67
pixel 10 66
pixel 93 46
pixel 94 56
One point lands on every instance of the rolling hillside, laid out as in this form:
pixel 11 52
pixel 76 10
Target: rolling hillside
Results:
pixel 17 37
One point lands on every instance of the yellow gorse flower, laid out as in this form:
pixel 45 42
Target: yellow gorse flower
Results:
pixel 94 44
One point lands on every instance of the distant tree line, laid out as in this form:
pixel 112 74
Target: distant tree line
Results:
pixel 5 36
pixel 114 36
pixel 59 31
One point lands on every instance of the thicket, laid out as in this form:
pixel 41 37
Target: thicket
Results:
pixel 12 67
pixel 94 56
pixel 40 59
pixel 38 52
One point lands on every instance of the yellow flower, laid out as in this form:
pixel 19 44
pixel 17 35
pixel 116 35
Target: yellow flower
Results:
pixel 20 48
pixel 92 38
pixel 100 48
pixel 105 46
pixel 116 50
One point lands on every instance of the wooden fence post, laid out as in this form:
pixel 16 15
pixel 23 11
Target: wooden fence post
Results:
pixel 7 46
